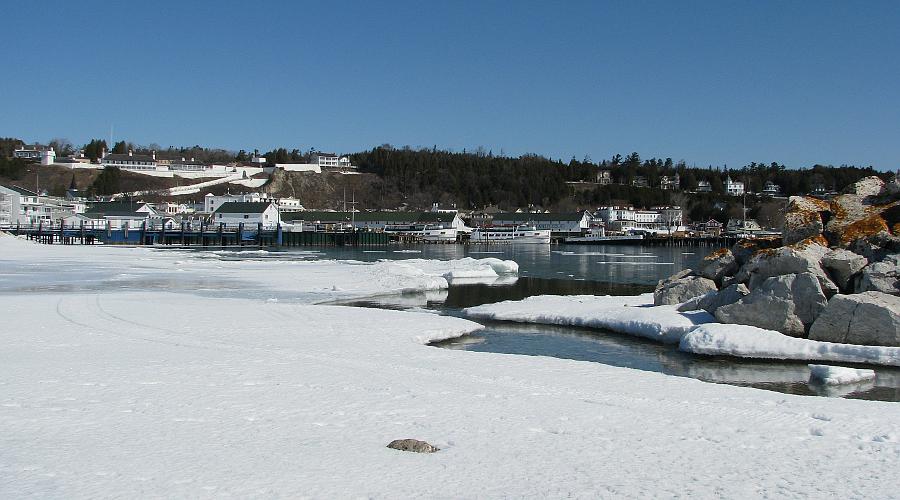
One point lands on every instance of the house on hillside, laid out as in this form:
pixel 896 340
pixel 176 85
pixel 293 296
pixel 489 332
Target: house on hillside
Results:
pixel 733 188
pixel 560 224
pixel 250 214
pixel 670 182
pixel 32 152
pixel 640 181
pixel 704 187
pixel 604 177
pixel 330 160
pixel 771 189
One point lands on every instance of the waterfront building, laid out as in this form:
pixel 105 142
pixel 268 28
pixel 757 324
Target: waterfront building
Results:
pixel 212 202
pixel 250 214
pixel 625 218
pixel 375 221
pixel 557 223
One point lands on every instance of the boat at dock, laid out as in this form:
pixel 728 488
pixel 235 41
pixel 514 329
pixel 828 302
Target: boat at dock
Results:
pixel 510 234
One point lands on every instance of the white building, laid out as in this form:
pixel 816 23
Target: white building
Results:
pixel 250 214
pixel 771 189
pixel 626 219
pixel 131 161
pixel 329 160
pixel 289 205
pixel 704 187
pixel 670 182
pixel 300 167
pixel 33 152
pixel 10 206
pixel 558 223
pixel 212 202
pixel 733 188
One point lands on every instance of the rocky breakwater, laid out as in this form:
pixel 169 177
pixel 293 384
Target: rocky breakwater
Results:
pixel 834 276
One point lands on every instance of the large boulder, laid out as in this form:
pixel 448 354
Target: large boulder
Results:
pixel 718 265
pixel 681 290
pixel 867 186
pixel 882 276
pixel 868 318
pixel 858 216
pixel 746 248
pixel 803 219
pixel 803 257
pixel 842 266
pixel 728 295
pixel 788 304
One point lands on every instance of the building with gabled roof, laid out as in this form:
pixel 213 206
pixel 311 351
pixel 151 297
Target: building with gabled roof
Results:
pixel 560 223
pixel 248 213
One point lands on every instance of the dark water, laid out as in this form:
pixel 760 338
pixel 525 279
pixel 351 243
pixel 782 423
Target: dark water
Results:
pixel 604 263
pixel 611 348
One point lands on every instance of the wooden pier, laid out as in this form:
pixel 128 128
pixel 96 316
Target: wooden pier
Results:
pixel 199 236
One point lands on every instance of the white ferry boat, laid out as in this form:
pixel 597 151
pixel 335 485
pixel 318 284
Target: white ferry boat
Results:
pixel 426 233
pixel 511 234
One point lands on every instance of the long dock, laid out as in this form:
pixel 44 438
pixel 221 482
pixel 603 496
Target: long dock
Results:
pixel 203 236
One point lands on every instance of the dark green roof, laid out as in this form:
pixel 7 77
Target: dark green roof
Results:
pixel 527 217
pixel 387 217
pixel 110 207
pixel 243 207
pixel 22 191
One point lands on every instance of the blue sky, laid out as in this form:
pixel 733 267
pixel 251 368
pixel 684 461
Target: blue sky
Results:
pixel 721 83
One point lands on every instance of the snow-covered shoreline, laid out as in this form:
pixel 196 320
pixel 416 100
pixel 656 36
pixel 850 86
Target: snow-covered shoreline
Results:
pixel 693 331
pixel 108 392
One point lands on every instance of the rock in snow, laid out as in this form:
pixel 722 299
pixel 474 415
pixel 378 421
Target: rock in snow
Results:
pixel 827 374
pixel 788 304
pixel 413 445
pixel 868 318
pixel 681 290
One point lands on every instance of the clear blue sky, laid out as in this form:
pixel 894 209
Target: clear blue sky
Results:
pixel 715 82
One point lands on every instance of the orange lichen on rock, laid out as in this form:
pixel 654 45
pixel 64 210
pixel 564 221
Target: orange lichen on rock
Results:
pixel 815 240
pixel 862 228
pixel 716 254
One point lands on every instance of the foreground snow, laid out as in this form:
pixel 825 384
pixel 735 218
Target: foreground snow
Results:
pixel 694 331
pixel 108 393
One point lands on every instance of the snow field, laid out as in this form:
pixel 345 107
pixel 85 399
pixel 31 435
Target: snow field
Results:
pixel 106 392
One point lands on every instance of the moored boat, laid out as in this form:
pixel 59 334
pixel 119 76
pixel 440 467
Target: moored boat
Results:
pixel 511 234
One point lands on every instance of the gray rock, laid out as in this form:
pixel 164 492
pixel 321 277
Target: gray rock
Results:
pixel 868 318
pixel 795 259
pixel 842 266
pixel 867 186
pixel 413 445
pixel 893 186
pixel 882 276
pixel 728 295
pixel 746 248
pixel 803 219
pixel 718 265
pixel 682 290
pixel 693 304
pixel 788 304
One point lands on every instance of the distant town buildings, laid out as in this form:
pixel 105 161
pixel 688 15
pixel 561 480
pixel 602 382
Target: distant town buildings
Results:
pixel 704 187
pixel 626 219
pixel 669 182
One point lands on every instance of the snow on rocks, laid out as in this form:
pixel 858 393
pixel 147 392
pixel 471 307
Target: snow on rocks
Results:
pixel 752 342
pixel 868 318
pixel 836 375
pixel 630 315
